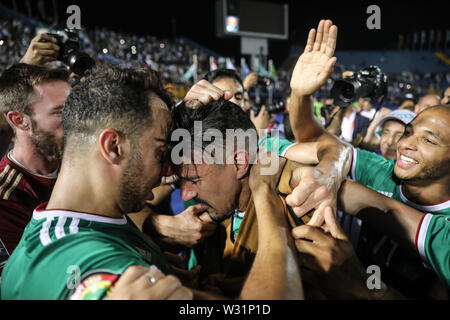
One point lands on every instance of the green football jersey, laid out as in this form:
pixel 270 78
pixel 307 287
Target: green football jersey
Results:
pixel 71 255
pixel 433 234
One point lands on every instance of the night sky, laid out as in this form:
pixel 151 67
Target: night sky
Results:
pixel 195 19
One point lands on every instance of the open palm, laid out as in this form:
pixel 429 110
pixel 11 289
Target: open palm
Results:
pixel 316 63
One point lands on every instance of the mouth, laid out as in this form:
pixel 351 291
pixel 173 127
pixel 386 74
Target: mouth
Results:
pixel 405 162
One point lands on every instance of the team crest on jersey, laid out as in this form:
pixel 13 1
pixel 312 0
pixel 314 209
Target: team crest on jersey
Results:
pixel 94 286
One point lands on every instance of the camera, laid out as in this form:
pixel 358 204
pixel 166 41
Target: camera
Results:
pixel 263 95
pixel 369 82
pixel 70 52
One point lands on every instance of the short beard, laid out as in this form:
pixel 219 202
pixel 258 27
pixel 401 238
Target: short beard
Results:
pixel 46 144
pixel 132 192
pixel 435 171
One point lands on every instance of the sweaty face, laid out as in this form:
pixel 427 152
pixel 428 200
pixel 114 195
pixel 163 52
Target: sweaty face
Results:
pixel 145 164
pixel 391 133
pixel 214 186
pixel 230 84
pixel 46 126
pixel 423 152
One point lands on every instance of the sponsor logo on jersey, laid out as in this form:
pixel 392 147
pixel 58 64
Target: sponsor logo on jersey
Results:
pixel 95 286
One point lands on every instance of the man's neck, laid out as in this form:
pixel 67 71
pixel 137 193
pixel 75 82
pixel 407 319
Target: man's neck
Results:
pixel 26 154
pixel 430 194
pixel 81 190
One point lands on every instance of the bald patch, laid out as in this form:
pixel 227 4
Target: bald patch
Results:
pixel 441 110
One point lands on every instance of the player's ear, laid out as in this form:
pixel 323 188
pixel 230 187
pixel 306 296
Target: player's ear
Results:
pixel 241 163
pixel 19 120
pixel 113 146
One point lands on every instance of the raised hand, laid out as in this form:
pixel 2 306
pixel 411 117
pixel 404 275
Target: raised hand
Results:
pixel 316 63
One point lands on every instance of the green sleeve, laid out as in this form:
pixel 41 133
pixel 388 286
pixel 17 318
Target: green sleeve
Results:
pixel 433 244
pixel 277 145
pixel 371 169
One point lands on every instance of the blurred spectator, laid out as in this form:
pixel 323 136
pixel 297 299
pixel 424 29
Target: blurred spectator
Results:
pixel 446 96
pixel 390 129
pixel 425 102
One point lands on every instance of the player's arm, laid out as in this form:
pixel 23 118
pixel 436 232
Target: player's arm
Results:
pixel 311 71
pixel 394 218
pixel 275 273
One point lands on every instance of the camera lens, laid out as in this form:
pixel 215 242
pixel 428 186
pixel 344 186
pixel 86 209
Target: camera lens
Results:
pixel 80 62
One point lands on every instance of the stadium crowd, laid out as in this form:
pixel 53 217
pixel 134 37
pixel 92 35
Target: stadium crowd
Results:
pixel 328 192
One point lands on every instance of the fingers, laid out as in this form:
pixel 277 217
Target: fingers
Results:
pixel 315 196
pixel 333 226
pixel 174 259
pixel 196 209
pixel 308 232
pixel 45 46
pixel 331 42
pixel 227 95
pixel 326 31
pixel 44 37
pixel 132 273
pixel 310 41
pixel 205 92
pixel 319 36
pixel 166 287
pixel 300 194
pixel 181 293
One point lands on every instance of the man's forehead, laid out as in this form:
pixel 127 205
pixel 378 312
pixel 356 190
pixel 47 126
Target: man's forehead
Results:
pixel 55 92
pixel 438 124
pixel 191 170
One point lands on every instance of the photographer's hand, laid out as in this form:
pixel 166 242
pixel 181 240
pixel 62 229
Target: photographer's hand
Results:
pixel 42 49
pixel 262 120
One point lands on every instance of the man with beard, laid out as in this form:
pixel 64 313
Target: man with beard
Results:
pixel 115 131
pixel 31 99
pixel 419 178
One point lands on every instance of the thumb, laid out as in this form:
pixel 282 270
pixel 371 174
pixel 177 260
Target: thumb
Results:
pixel 333 226
pixel 197 209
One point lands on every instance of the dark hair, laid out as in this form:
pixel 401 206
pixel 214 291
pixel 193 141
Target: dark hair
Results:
pixel 218 74
pixel 219 115
pixel 17 85
pixel 112 96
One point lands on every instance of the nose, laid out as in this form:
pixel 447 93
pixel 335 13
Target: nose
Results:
pixel 392 141
pixel 187 191
pixel 407 142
